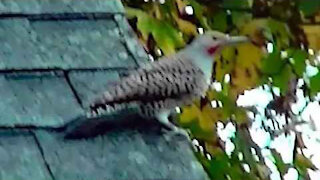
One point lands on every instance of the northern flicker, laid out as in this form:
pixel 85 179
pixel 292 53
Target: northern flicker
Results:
pixel 159 87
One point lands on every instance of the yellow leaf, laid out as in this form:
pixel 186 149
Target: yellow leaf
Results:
pixel 225 62
pixel 210 116
pixel 212 94
pixel 245 59
pixel 253 26
pixel 313 35
pixel 242 79
pixel 247 71
pixel 199 122
pixel 185 26
pixel 206 118
pixel 189 113
pixel 213 147
pixel 205 122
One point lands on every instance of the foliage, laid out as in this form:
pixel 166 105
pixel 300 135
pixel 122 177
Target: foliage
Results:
pixel 283 35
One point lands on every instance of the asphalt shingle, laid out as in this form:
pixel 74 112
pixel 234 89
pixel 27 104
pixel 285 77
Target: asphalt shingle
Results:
pixel 61 6
pixel 133 45
pixel 120 155
pixel 89 84
pixel 63 44
pixel 21 157
pixel 36 99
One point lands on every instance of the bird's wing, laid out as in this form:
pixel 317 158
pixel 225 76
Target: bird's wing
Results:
pixel 155 82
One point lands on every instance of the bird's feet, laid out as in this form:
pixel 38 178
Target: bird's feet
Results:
pixel 171 130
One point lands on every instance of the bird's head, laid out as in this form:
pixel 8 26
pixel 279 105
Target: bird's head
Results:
pixel 213 41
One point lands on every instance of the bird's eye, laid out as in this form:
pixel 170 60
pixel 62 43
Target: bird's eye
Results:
pixel 214 38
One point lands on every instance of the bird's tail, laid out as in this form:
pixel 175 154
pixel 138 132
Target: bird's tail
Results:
pixel 101 105
pixel 107 105
pixel 101 109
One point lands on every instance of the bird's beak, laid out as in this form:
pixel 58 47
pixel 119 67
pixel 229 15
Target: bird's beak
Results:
pixel 232 40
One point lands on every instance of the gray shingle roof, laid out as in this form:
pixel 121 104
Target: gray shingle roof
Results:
pixel 60 6
pixel 36 99
pixel 82 43
pixel 56 55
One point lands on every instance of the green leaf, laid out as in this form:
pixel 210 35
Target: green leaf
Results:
pixel 281 80
pixel 281 32
pixel 242 144
pixel 272 64
pixel 315 84
pixel 219 21
pixel 167 38
pixel 309 7
pixel 219 167
pixel 199 11
pixel 241 116
pixel 282 167
pixel 236 4
pixel 299 60
pixel 240 18
pixel 165 35
pixel 229 107
pixel 197 131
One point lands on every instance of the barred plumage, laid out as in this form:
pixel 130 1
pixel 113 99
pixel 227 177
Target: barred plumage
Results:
pixel 159 87
pixel 166 83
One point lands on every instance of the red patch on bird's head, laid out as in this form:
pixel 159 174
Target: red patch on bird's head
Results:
pixel 211 50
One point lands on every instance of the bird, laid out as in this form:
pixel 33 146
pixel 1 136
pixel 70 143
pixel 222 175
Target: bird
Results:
pixel 158 87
